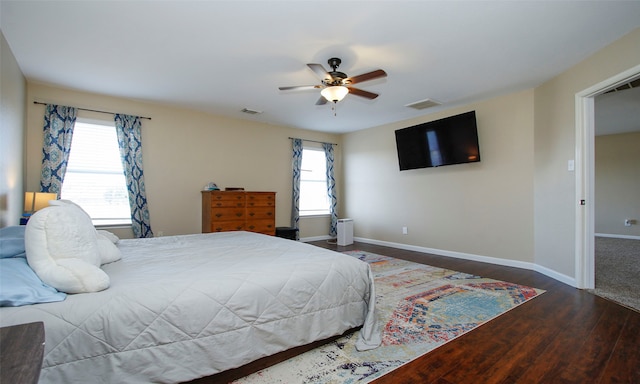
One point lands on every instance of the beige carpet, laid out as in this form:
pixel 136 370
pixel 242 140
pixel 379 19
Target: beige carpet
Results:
pixel 618 270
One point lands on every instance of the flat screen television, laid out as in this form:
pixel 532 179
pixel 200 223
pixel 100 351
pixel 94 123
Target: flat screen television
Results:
pixel 452 140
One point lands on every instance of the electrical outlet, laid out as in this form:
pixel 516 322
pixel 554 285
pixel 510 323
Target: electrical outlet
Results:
pixel 405 230
pixel 629 222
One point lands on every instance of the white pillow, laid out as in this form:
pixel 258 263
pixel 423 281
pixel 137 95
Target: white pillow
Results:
pixel 62 248
pixel 109 235
pixel 107 249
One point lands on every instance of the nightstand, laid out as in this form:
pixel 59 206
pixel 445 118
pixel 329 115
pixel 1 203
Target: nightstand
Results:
pixel 21 352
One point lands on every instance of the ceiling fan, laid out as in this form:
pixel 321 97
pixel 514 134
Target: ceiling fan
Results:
pixel 336 85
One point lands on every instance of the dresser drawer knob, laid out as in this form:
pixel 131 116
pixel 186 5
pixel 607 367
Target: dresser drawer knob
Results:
pixel 218 214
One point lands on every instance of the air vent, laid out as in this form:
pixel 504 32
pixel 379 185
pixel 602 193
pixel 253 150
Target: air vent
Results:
pixel 423 104
pixel 632 84
pixel 251 111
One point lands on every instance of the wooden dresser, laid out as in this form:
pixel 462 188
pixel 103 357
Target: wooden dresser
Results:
pixel 239 211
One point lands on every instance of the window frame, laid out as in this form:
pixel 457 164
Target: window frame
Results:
pixel 119 222
pixel 314 213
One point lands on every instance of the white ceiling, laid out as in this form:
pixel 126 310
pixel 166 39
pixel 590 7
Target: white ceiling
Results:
pixel 223 56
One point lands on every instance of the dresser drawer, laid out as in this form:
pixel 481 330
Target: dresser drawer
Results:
pixel 256 213
pixel 227 213
pixel 227 201
pixel 261 199
pixel 225 226
pixel 261 226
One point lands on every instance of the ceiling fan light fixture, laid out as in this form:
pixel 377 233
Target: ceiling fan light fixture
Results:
pixel 335 93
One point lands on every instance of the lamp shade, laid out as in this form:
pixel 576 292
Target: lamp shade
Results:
pixel 335 93
pixel 34 201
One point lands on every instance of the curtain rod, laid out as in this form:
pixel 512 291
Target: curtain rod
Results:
pixel 92 110
pixel 313 141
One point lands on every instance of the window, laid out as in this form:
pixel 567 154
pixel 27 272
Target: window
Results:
pixel 95 179
pixel 314 199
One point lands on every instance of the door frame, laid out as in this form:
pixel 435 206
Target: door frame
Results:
pixel 585 174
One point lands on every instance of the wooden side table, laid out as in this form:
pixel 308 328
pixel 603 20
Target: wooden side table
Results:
pixel 21 353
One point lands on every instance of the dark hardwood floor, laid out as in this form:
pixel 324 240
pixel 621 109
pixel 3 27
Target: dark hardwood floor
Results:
pixel 565 335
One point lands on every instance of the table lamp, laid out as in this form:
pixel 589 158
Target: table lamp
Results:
pixel 34 201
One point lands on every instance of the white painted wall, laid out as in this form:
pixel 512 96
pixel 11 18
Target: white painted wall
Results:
pixel 483 209
pixel 12 119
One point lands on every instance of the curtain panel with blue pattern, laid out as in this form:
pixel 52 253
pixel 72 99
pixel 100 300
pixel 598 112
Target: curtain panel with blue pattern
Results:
pixel 58 132
pixel 130 144
pixel 296 165
pixel 331 189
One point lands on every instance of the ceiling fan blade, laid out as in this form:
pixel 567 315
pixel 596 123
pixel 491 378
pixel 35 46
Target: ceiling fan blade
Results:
pixel 365 77
pixel 298 87
pixel 321 101
pixel 360 92
pixel 320 71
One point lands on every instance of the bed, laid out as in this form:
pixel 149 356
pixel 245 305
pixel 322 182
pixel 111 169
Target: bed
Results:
pixel 183 307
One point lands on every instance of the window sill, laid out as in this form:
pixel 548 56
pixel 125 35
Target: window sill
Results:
pixel 315 215
pixel 112 226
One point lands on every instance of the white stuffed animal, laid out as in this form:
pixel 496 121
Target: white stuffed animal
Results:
pixel 63 249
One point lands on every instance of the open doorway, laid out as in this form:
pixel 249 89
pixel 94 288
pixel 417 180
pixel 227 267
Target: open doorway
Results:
pixel 617 187
pixel 585 174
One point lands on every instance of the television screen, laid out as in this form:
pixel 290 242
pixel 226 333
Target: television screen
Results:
pixel 452 140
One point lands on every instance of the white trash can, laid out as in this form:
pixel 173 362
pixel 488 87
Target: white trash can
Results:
pixel 345 231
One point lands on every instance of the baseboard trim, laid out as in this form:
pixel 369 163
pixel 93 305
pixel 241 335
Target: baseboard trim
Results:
pixel 458 255
pixel 616 236
pixel 556 275
pixel 315 238
pixel 465 256
pixel 483 259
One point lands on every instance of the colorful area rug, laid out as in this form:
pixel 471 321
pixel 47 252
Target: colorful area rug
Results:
pixel 420 308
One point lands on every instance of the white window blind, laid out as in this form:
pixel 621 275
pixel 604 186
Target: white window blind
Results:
pixel 314 199
pixel 95 177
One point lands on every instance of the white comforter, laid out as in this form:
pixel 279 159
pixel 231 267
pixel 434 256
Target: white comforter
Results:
pixel 183 307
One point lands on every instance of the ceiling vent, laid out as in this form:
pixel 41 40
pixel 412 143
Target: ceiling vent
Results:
pixel 251 111
pixel 423 104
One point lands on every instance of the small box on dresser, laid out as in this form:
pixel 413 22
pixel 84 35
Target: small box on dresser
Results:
pixel 224 211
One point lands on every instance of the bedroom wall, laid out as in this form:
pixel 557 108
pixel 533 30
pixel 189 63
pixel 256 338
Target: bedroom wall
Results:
pixel 530 218
pixel 481 209
pixel 555 130
pixel 617 184
pixel 182 151
pixel 12 120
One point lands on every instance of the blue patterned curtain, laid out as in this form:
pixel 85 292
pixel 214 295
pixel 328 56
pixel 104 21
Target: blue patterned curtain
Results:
pixel 58 130
pixel 297 165
pixel 331 190
pixel 130 143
